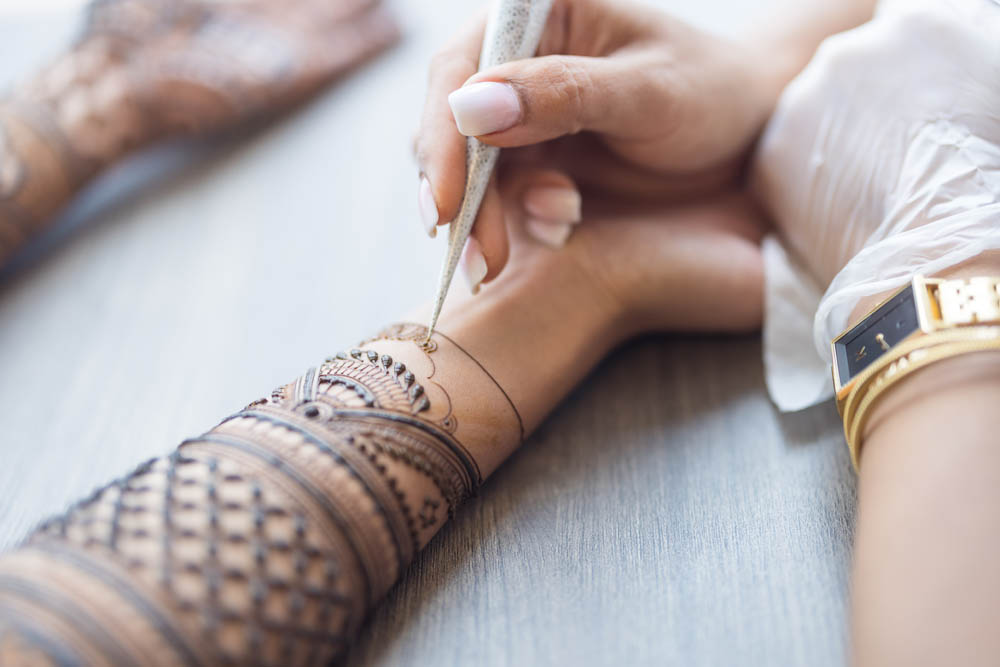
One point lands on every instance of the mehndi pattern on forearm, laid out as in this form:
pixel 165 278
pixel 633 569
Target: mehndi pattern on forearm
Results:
pixel 263 541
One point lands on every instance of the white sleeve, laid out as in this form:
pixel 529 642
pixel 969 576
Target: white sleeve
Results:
pixel 882 160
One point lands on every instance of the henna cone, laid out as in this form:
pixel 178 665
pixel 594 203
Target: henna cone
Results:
pixel 267 539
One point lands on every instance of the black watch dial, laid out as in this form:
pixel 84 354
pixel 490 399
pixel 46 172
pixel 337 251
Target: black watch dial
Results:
pixel 875 335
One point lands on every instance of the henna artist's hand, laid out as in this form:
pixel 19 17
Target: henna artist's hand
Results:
pixel 624 100
pixel 145 70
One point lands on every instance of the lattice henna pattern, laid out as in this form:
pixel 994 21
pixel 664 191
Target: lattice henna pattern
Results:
pixel 262 541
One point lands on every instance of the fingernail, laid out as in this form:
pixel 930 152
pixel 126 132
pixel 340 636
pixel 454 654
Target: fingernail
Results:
pixel 556 204
pixel 552 234
pixel 473 264
pixel 428 209
pixel 483 108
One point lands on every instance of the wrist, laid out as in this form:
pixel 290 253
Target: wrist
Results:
pixel 537 330
pixel 962 372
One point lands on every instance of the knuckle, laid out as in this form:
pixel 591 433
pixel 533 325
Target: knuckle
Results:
pixel 450 65
pixel 440 60
pixel 574 84
pixel 419 152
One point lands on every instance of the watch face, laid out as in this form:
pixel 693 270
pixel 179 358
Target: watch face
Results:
pixel 875 335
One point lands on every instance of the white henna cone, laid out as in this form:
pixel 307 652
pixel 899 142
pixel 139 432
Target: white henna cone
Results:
pixel 552 234
pixel 513 30
pixel 473 264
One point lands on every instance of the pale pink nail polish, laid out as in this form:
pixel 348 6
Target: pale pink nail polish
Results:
pixel 484 108
pixel 428 209
pixel 552 234
pixel 555 204
pixel 473 264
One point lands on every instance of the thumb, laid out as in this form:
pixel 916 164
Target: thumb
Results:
pixel 537 99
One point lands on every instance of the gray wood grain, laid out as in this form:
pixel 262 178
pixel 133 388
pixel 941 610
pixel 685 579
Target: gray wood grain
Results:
pixel 664 515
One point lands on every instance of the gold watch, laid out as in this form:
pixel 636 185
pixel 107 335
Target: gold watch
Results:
pixel 923 307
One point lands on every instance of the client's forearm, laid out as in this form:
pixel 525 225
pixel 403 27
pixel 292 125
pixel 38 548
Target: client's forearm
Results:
pixel 925 586
pixel 269 537
pixel 926 589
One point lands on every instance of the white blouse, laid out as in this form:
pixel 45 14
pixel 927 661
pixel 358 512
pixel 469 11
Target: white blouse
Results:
pixel 882 160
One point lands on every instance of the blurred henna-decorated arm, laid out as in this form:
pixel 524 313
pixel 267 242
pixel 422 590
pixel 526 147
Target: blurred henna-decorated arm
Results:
pixel 146 70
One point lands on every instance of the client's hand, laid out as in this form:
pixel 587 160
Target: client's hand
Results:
pixel 660 266
pixel 623 101
pixel 542 325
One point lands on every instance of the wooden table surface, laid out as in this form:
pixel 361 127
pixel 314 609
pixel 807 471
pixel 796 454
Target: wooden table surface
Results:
pixel 665 514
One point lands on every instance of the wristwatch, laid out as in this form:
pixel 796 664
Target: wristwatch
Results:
pixel 923 307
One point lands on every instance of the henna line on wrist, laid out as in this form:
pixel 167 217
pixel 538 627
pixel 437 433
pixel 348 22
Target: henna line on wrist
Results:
pixel 417 333
pixel 520 422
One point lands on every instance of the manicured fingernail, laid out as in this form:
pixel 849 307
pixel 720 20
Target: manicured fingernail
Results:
pixel 552 234
pixel 473 264
pixel 428 209
pixel 556 204
pixel 483 108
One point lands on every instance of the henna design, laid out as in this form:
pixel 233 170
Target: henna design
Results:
pixel 24 647
pixel 265 540
pixel 417 333
pixel 147 70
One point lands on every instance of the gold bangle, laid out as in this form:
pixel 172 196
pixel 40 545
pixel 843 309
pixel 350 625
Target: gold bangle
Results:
pixel 930 350
pixel 863 380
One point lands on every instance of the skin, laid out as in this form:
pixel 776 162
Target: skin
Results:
pixel 622 103
pixel 925 586
pixel 540 342
pixel 641 263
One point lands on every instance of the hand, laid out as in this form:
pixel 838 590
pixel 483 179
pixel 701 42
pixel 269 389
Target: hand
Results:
pixel 623 101
pixel 883 158
pixel 630 270
pixel 145 69
pixel 681 267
